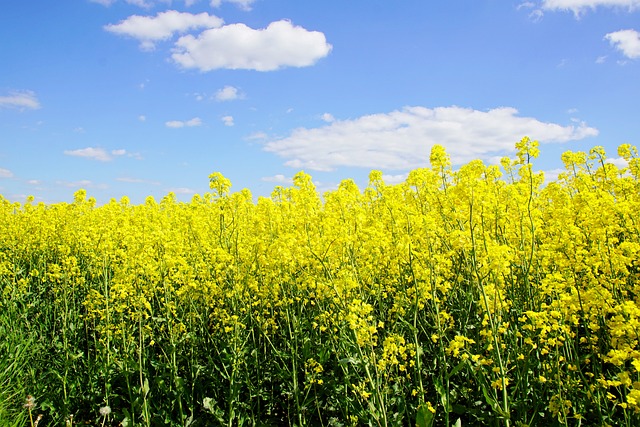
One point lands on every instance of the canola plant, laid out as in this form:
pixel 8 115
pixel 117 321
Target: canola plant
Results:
pixel 476 296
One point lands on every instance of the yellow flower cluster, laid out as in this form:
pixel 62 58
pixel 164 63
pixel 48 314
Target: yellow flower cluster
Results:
pixel 487 275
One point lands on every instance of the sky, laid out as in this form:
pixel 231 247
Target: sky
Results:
pixel 141 98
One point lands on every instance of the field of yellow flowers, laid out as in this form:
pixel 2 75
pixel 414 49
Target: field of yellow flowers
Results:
pixel 476 296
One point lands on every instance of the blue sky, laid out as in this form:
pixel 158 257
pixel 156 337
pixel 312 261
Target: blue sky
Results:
pixel 144 97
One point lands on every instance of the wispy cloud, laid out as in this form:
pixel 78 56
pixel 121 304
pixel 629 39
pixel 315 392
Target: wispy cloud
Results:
pixel 104 2
pixel 579 7
pixel 228 120
pixel 5 173
pixel 257 136
pixel 279 178
pixel 97 153
pixel 146 4
pixel 181 190
pixel 176 124
pixel 83 183
pixel 242 4
pixel 402 139
pixel 130 180
pixel 21 100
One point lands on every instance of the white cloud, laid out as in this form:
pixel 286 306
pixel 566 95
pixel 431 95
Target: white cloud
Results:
pixel 552 175
pixel 100 154
pixel 394 179
pixel 80 183
pixel 34 182
pixel 227 93
pixel 174 124
pixel 181 190
pixel 91 153
pixel 141 3
pixel 228 120
pixel 196 121
pixel 328 117
pixel 257 136
pixel 626 41
pixel 142 118
pixel 130 180
pixel 242 4
pixel 279 178
pixel 620 162
pixel 237 46
pixel 601 59
pixel 578 7
pixel 5 173
pixel 103 2
pixel 536 14
pixel 83 183
pixel 149 29
pixel 20 100
pixel 402 140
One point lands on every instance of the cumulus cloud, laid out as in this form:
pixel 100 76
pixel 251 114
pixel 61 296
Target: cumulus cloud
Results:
pixel 238 46
pixel 94 153
pixel 150 29
pixel 21 100
pixel 5 173
pixel 402 139
pixel 196 121
pixel 578 7
pixel 227 93
pixel 626 41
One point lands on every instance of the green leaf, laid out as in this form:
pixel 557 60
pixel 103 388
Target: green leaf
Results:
pixel 424 417
pixel 145 387
pixel 456 369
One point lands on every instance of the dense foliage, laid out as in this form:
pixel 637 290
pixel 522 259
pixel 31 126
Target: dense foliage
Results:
pixel 473 296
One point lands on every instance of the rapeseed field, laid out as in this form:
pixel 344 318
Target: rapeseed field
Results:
pixel 475 296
